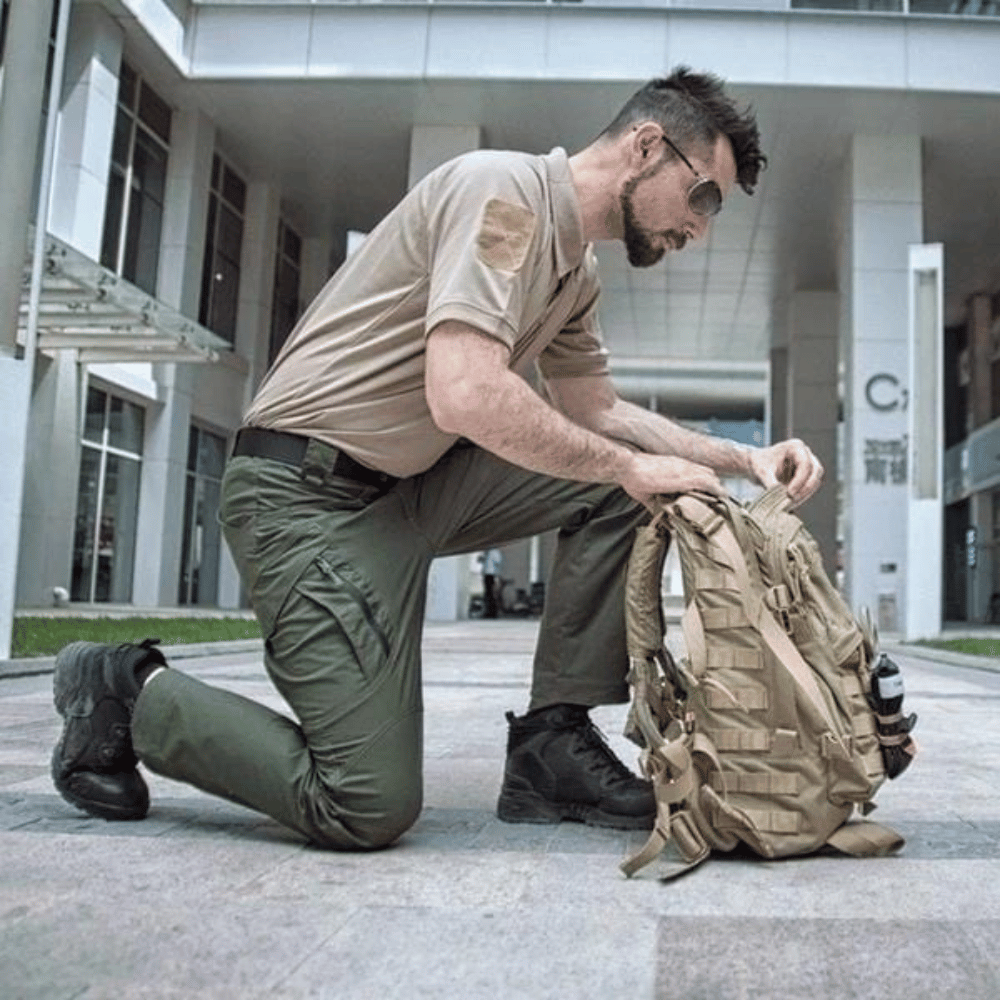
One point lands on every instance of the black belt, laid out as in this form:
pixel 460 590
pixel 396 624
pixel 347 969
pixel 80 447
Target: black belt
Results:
pixel 290 449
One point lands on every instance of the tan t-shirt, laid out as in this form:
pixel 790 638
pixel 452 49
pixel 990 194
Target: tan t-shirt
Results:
pixel 492 239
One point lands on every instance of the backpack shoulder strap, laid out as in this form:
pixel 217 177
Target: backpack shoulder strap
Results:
pixel 761 618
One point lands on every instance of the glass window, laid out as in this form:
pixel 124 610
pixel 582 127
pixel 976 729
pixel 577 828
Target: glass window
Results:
pixel 291 244
pixel 234 190
pixel 93 426
pixel 142 242
pixel 107 499
pixel 125 425
pixel 122 142
pixel 201 542
pixel 127 86
pixel 211 455
pixel 220 277
pixel 133 215
pixel 154 112
pixel 285 306
pixel 230 234
pixel 116 535
pixel 3 26
pixel 84 536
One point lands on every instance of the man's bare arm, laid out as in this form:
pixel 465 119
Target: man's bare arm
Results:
pixel 472 393
pixel 593 403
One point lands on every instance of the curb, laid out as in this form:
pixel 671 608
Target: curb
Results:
pixel 45 664
pixel 991 664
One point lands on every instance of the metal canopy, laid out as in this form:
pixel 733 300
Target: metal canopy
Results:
pixel 85 307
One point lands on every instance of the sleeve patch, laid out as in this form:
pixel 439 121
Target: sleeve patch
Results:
pixel 505 235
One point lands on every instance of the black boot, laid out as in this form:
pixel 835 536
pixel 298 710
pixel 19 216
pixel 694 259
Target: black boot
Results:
pixel 559 767
pixel 94 764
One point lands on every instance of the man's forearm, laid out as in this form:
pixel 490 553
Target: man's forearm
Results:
pixel 655 434
pixel 471 393
pixel 515 423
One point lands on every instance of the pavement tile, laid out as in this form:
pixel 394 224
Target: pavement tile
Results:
pixel 206 899
pixel 384 951
pixel 798 959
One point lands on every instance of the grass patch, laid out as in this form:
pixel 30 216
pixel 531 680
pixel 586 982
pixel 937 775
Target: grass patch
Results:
pixel 972 647
pixel 46 636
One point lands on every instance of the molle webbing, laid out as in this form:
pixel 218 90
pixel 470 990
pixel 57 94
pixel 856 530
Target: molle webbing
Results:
pixel 746 695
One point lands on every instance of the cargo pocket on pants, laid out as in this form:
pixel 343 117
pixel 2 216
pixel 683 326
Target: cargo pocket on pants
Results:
pixel 341 591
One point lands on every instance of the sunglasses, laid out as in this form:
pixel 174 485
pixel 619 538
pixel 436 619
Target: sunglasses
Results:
pixel 704 196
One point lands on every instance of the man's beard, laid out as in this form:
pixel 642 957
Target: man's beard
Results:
pixel 639 246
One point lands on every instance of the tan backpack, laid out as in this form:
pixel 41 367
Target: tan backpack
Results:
pixel 767 731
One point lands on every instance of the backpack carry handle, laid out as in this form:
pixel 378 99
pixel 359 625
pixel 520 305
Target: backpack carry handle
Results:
pixel 777 498
pixel 645 627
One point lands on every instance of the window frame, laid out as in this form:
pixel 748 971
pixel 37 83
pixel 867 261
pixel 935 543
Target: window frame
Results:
pixel 224 182
pixel 117 246
pixel 195 480
pixel 279 333
pixel 105 450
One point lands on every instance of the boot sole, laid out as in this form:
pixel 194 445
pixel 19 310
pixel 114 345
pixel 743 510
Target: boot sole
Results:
pixel 66 686
pixel 67 695
pixel 94 807
pixel 529 807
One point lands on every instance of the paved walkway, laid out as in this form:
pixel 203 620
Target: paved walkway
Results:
pixel 207 900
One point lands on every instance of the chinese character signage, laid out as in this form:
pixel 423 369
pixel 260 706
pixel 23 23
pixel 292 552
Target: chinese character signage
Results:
pixel 885 461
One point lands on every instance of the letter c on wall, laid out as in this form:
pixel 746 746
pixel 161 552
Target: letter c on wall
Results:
pixel 883 393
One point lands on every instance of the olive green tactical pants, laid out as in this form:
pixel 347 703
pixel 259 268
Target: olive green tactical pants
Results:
pixel 337 575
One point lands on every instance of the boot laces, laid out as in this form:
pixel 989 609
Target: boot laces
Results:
pixel 600 754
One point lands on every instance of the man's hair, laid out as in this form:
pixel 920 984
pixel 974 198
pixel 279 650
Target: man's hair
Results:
pixel 693 108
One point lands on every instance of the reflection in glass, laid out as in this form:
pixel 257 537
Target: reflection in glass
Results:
pixel 86 518
pixel 107 499
pixel 201 537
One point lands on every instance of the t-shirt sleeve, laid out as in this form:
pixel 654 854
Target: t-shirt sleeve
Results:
pixel 483 232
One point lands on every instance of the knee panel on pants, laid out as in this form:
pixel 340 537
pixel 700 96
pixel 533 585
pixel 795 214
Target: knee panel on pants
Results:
pixel 377 797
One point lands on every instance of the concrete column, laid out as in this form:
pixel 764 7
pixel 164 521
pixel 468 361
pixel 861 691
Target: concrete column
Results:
pixel 980 361
pixel 182 241
pixel 76 215
pixel 430 146
pixel 882 218
pixel 21 102
pixel 21 97
pixel 925 496
pixel 86 129
pixel 980 579
pixel 161 495
pixel 253 317
pixel 778 422
pixel 51 482
pixel 811 405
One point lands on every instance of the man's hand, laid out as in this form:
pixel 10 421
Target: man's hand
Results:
pixel 791 463
pixel 650 475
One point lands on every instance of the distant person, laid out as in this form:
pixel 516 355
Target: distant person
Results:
pixel 492 562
